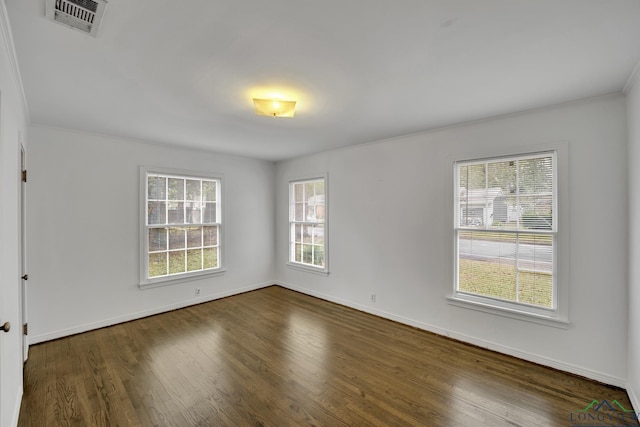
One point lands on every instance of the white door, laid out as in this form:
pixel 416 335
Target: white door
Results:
pixel 23 253
pixel 2 300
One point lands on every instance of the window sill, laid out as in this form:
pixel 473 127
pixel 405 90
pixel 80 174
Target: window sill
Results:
pixel 485 307
pixel 173 280
pixel 308 269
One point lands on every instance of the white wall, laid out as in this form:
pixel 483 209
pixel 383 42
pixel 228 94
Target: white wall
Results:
pixel 83 229
pixel 633 122
pixel 13 122
pixel 390 218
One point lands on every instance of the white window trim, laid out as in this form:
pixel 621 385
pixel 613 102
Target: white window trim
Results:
pixel 323 271
pixel 559 315
pixel 144 282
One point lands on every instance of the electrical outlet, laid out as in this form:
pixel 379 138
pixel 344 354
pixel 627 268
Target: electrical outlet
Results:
pixel 373 297
pixel 197 291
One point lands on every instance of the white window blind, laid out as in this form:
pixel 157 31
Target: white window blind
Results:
pixel 505 228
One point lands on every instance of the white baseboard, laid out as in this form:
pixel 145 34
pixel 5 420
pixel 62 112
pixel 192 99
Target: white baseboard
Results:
pixel 531 357
pixel 633 397
pixel 150 312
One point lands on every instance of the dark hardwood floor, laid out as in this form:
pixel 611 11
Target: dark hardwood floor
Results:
pixel 274 357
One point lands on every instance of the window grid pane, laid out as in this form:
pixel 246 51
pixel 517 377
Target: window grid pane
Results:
pixel 306 218
pixel 182 227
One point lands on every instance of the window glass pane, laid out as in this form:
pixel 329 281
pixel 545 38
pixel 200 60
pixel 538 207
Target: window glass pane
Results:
pixel 536 289
pixel 309 190
pixel 192 213
pixel 535 253
pixel 176 189
pixel 156 213
pixel 309 209
pixel 298 256
pixel 315 209
pixel 318 255
pixel 516 267
pixel 298 191
pixel 319 209
pixel 299 212
pixel 307 254
pixel 487 264
pixel 209 214
pixel 210 257
pixel 176 262
pixel 535 284
pixel 176 238
pixel 156 188
pixel 298 233
pixel 157 264
pixel 210 236
pixel 193 190
pixel 536 192
pixel 157 239
pixel 194 237
pixel 472 195
pixel 209 191
pixel 194 259
pixel 317 232
pixel 176 213
pixel 501 179
pixel 536 175
pixel 473 177
pixel 536 212
pixel 307 234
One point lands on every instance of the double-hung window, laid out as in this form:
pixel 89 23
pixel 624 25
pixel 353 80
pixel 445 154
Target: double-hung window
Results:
pixel 181 225
pixel 308 224
pixel 506 233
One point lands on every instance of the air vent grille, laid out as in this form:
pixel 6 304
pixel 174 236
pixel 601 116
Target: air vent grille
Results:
pixel 86 4
pixel 83 15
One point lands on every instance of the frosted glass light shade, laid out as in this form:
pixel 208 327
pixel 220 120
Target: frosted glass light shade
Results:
pixel 274 107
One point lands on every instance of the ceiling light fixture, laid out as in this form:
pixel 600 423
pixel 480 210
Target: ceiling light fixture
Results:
pixel 274 107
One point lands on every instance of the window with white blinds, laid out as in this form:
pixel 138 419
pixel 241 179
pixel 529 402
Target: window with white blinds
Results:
pixel 505 231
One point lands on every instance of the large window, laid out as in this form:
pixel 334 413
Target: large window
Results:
pixel 181 225
pixel 505 232
pixel 307 224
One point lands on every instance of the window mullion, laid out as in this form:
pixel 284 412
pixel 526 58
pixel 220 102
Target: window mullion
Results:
pixel 517 267
pixel 485 215
pixel 517 163
pixel 166 201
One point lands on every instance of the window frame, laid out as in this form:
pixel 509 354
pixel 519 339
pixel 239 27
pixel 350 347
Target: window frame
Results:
pixel 146 282
pixel 556 316
pixel 322 270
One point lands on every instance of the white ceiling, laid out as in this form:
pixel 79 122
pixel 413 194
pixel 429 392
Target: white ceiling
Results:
pixel 184 71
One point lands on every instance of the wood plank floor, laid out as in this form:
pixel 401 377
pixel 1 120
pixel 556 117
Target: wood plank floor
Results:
pixel 274 357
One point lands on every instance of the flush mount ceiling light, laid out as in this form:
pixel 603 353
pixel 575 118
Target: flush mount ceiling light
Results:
pixel 274 107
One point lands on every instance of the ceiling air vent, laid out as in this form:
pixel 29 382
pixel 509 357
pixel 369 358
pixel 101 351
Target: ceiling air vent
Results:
pixel 82 15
